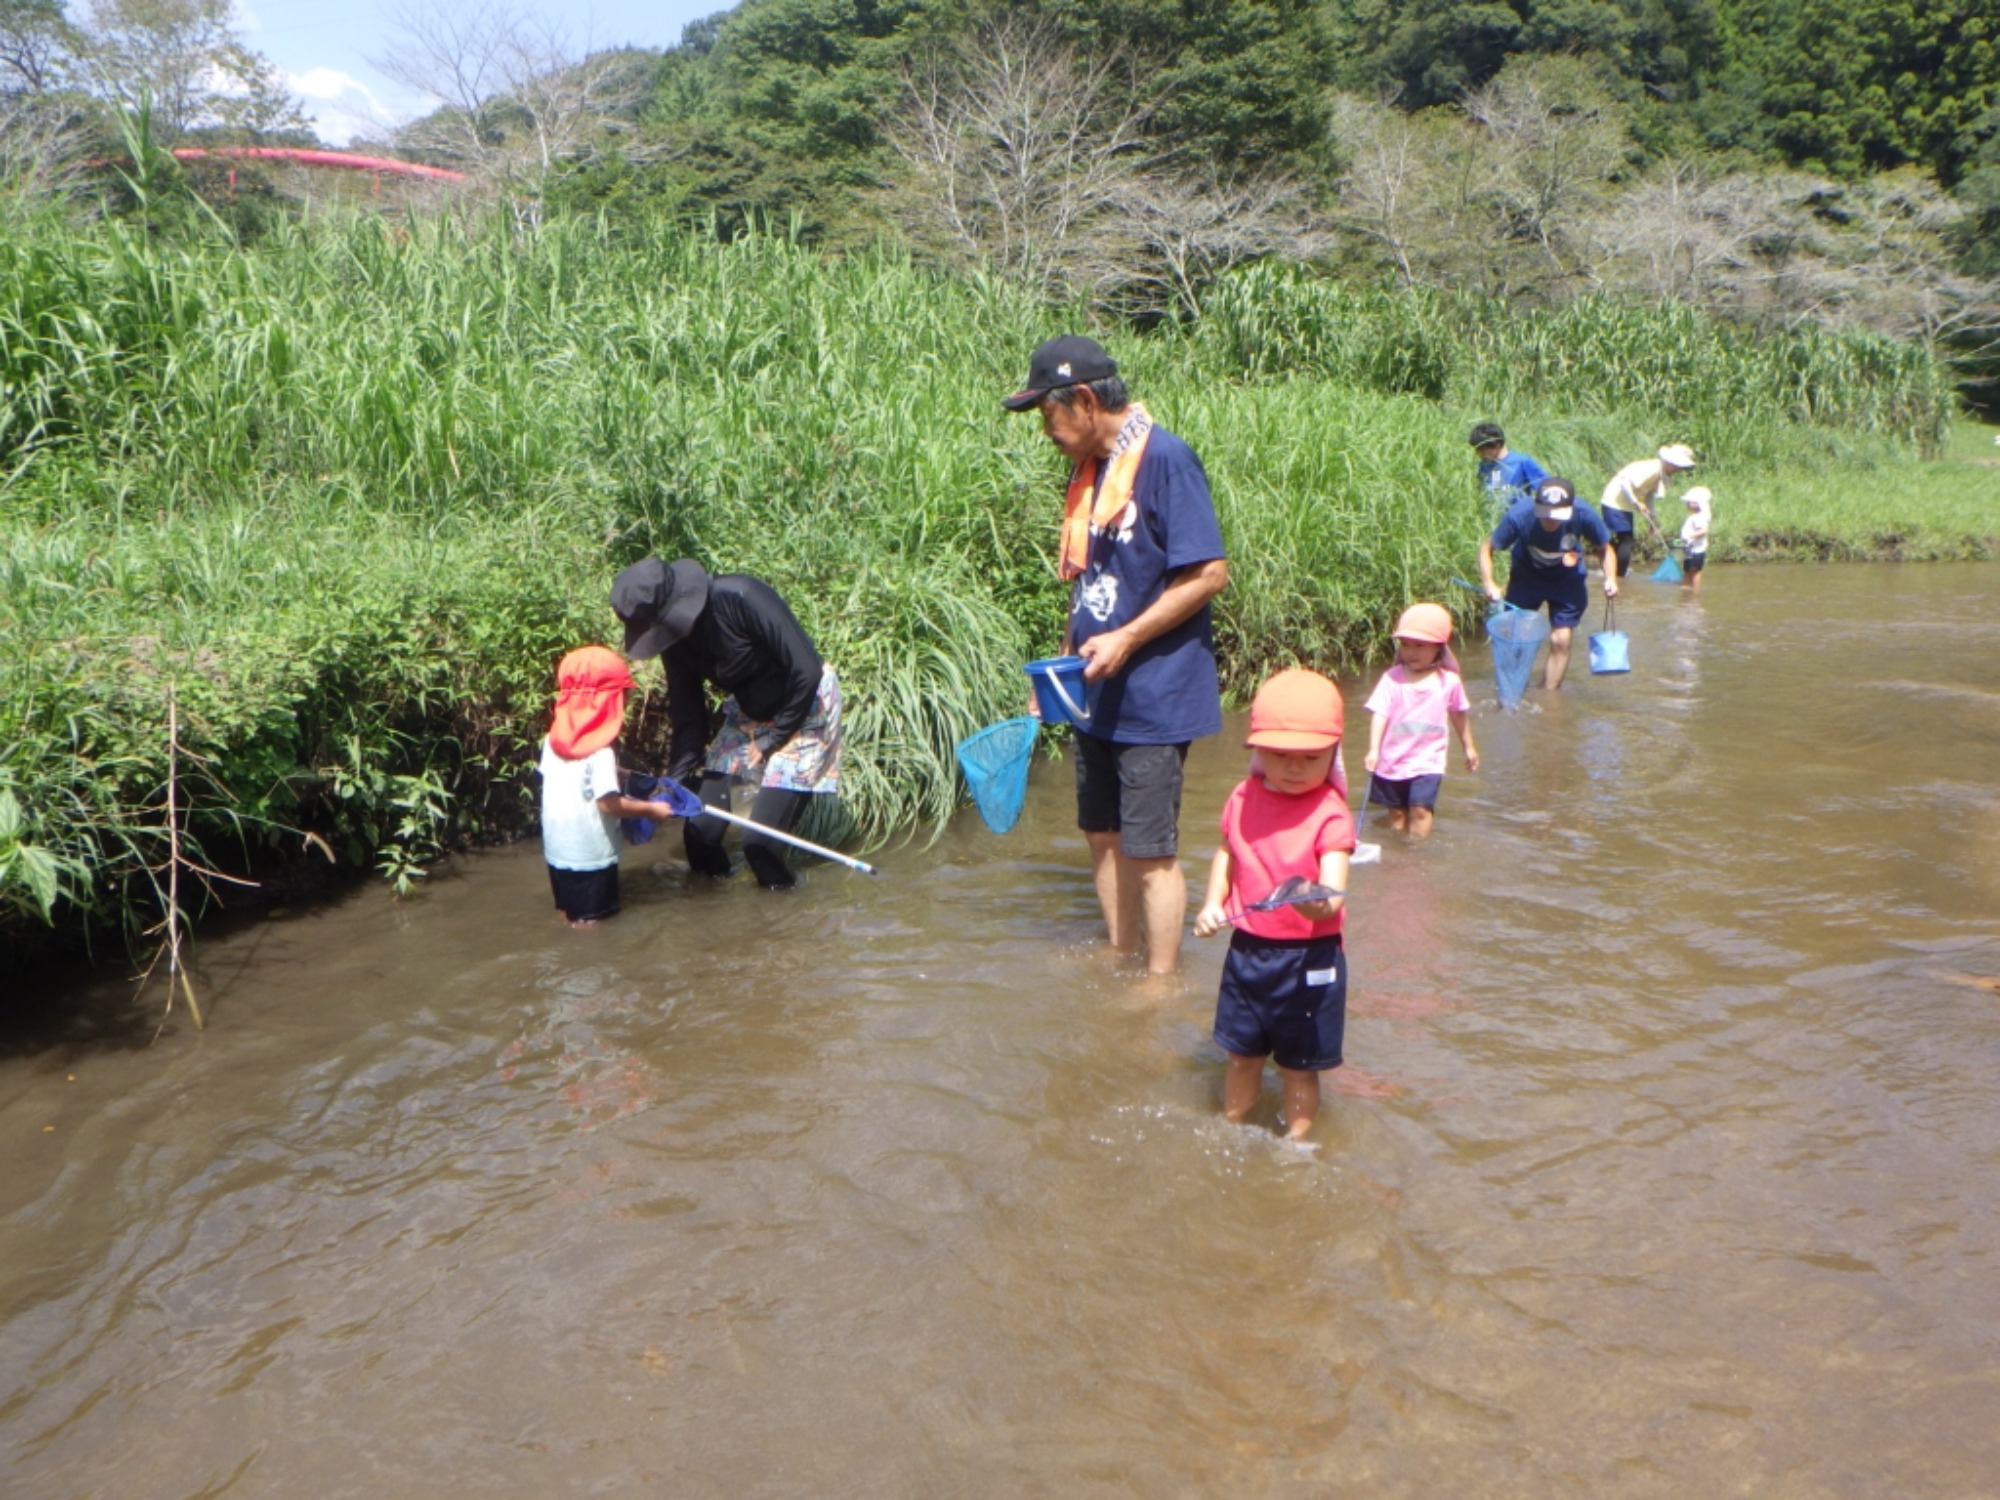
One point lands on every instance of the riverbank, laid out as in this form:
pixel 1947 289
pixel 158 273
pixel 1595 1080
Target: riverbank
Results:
pixel 347 497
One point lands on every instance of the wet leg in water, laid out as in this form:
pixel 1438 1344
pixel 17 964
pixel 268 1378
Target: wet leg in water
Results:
pixel 1243 1083
pixel 1141 898
pixel 1558 663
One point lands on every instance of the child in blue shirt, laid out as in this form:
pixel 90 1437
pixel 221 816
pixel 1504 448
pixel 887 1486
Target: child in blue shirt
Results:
pixel 1507 477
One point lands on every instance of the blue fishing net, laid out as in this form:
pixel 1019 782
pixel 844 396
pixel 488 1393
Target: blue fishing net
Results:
pixel 1517 634
pixel 1669 570
pixel 995 762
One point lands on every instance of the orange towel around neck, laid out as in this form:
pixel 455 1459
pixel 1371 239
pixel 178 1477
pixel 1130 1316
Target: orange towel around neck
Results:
pixel 1113 494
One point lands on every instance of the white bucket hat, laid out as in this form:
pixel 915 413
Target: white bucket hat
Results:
pixel 1698 496
pixel 1680 455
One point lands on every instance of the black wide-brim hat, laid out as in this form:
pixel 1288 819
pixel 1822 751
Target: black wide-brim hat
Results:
pixel 659 603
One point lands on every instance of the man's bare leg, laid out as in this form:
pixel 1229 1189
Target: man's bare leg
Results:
pixel 1117 891
pixel 1142 899
pixel 1163 906
pixel 1552 677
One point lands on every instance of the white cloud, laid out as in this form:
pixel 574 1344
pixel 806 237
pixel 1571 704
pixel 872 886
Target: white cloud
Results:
pixel 340 105
pixel 328 83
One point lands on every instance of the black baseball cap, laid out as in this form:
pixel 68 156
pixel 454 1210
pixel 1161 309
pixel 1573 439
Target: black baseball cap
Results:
pixel 1486 432
pixel 1069 360
pixel 659 603
pixel 1555 498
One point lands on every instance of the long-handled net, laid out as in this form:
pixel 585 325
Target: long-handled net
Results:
pixel 1669 570
pixel 1517 634
pixel 995 762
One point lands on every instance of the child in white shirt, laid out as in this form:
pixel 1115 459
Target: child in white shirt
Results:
pixel 1694 535
pixel 581 801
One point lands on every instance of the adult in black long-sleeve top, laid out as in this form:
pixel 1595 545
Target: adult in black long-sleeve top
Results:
pixel 734 632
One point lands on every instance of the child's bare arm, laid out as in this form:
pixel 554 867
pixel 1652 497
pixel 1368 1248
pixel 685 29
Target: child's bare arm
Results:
pixel 1211 918
pixel 1463 724
pixel 1332 872
pixel 1378 724
pixel 618 805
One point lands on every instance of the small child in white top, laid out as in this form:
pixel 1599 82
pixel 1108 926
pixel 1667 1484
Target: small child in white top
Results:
pixel 1417 705
pixel 1694 536
pixel 581 800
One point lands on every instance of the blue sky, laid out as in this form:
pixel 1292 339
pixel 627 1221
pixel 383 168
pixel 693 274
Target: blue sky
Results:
pixel 324 49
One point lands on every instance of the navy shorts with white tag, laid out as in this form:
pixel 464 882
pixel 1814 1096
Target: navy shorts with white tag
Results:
pixel 1418 791
pixel 1285 999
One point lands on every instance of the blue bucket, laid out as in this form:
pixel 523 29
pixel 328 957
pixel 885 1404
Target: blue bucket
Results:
pixel 1610 652
pixel 1059 690
pixel 1609 649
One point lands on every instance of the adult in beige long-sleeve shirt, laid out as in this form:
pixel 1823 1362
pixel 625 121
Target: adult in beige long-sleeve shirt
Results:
pixel 1639 487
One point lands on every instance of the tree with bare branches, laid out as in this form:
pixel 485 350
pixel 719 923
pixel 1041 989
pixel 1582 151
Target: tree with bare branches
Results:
pixel 513 98
pixel 1024 155
pixel 1019 155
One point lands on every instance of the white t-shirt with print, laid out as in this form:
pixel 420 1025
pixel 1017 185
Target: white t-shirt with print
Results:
pixel 575 835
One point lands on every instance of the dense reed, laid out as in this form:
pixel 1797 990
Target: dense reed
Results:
pixel 1594 355
pixel 354 492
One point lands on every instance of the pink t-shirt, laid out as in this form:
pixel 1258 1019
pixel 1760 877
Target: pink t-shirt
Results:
pixel 1417 732
pixel 1272 837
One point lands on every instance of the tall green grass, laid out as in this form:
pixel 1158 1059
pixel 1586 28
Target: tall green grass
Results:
pixel 1594 355
pixel 353 493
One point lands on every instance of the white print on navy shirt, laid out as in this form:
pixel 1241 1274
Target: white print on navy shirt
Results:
pixel 1099 595
pixel 1099 591
pixel 1565 541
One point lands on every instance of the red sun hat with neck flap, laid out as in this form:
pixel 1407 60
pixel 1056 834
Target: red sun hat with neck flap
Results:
pixel 591 685
pixel 1296 710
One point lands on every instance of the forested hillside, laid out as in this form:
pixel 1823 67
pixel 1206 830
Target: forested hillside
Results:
pixel 1775 161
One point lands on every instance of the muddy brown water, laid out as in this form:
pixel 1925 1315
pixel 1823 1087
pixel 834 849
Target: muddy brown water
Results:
pixel 1664 1164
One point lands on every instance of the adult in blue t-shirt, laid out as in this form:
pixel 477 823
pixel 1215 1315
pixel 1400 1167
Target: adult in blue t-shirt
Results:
pixel 1545 536
pixel 1143 554
pixel 1505 476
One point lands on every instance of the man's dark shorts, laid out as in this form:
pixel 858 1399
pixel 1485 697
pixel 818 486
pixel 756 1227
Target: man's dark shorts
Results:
pixel 1284 1000
pixel 1565 592
pixel 1133 791
pixel 1418 791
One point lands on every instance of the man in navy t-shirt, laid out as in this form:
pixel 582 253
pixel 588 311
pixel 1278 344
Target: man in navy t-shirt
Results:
pixel 1507 477
pixel 1546 537
pixel 1143 554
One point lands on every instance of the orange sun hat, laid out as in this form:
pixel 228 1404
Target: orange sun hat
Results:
pixel 1296 710
pixel 1424 622
pixel 591 684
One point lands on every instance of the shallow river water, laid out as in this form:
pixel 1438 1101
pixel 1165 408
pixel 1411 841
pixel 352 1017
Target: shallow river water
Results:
pixel 1664 1165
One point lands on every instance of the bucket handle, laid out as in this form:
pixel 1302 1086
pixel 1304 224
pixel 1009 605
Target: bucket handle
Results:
pixel 1080 715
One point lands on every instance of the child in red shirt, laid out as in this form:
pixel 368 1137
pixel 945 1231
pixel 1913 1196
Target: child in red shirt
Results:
pixel 1284 984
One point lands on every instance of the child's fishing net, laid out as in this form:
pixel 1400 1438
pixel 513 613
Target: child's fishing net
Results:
pixel 995 762
pixel 1669 570
pixel 1517 634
